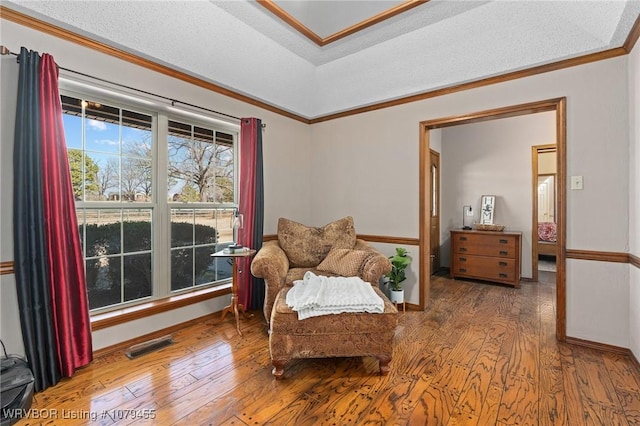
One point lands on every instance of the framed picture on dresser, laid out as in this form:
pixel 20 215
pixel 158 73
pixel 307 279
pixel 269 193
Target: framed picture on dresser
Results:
pixel 487 208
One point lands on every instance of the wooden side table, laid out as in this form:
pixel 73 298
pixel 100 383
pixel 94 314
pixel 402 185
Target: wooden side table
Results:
pixel 235 307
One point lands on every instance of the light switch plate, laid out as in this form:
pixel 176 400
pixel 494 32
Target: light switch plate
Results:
pixel 576 182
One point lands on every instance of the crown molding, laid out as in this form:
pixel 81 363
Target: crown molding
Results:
pixel 272 7
pixel 633 36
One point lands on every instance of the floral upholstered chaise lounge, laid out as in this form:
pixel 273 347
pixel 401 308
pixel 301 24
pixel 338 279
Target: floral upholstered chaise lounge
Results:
pixel 332 250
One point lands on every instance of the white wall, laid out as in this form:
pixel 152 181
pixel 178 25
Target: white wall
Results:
pixel 634 196
pixel 367 165
pixel 492 158
pixel 286 164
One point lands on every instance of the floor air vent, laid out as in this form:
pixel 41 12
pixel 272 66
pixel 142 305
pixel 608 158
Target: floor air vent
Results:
pixel 148 346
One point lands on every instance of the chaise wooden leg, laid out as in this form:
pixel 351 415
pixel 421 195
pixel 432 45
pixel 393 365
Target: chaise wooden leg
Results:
pixel 384 361
pixel 278 368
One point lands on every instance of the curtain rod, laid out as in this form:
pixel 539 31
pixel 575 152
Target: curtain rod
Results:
pixel 5 51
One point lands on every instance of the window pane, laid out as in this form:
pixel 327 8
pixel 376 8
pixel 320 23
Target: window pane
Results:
pixel 225 226
pixel 137 156
pixel 118 151
pixel 103 177
pixel 205 227
pixel 181 268
pixel 75 157
pixel 224 190
pixel 103 281
pixel 72 130
pixel 136 179
pixel 102 232
pixel 224 268
pixel 136 230
pixel 137 276
pixel 205 265
pixel 102 128
pixel 194 164
pixel 181 227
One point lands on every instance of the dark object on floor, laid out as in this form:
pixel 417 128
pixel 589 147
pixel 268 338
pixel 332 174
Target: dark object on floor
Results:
pixel 16 390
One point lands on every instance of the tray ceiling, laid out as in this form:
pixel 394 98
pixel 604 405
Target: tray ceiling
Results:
pixel 326 21
pixel 243 46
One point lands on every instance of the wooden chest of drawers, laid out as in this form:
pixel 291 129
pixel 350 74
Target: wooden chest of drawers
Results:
pixel 486 255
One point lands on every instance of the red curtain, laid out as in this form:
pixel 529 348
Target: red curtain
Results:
pixel 50 281
pixel 69 299
pixel 250 289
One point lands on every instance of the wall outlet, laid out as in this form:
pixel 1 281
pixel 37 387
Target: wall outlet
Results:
pixel 576 182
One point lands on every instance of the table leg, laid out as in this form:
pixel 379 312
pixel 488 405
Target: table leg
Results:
pixel 235 307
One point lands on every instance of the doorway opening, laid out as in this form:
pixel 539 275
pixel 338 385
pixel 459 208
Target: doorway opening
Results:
pixel 544 207
pixel 557 105
pixel 434 251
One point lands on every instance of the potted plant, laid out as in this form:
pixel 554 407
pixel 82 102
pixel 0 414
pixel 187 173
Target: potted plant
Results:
pixel 399 262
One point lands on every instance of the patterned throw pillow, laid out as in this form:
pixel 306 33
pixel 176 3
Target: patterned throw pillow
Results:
pixel 307 246
pixel 345 262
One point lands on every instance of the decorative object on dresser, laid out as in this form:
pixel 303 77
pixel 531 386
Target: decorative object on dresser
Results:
pixel 487 208
pixel 487 227
pixel 486 255
pixel 467 217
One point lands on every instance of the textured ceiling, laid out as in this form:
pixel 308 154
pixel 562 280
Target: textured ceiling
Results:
pixel 242 46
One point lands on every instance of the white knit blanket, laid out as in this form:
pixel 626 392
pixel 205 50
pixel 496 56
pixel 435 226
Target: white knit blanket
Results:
pixel 317 295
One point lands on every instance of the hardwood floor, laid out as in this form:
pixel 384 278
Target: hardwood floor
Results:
pixel 481 354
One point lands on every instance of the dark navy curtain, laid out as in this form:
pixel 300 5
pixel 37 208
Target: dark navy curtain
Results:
pixel 251 289
pixel 52 293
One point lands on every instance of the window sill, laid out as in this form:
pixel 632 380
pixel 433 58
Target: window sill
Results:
pixel 121 316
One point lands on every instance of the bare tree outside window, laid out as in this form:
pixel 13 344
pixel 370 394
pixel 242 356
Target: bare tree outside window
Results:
pixel 200 159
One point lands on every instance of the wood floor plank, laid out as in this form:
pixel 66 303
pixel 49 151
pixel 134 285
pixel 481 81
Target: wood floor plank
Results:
pixel 489 410
pixel 598 415
pixel 575 412
pixel 519 404
pixel 434 407
pixel 480 354
pixel 630 402
pixel 477 385
pixel 525 355
pixel 595 384
pixel 622 372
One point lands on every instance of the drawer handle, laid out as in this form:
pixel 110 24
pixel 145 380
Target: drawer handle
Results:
pixel 503 241
pixel 463 259
pixel 503 253
pixel 502 263
pixel 462 249
pixel 503 275
pixel 463 238
pixel 463 270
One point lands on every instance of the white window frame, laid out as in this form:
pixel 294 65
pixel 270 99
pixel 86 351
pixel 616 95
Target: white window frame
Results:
pixel 160 206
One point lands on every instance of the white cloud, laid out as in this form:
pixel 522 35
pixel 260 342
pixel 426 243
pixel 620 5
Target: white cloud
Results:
pixel 108 142
pixel 97 125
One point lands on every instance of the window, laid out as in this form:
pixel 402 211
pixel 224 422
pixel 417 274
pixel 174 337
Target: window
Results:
pixel 148 232
pixel 200 172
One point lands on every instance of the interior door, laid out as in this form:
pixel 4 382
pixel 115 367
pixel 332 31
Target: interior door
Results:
pixel 434 251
